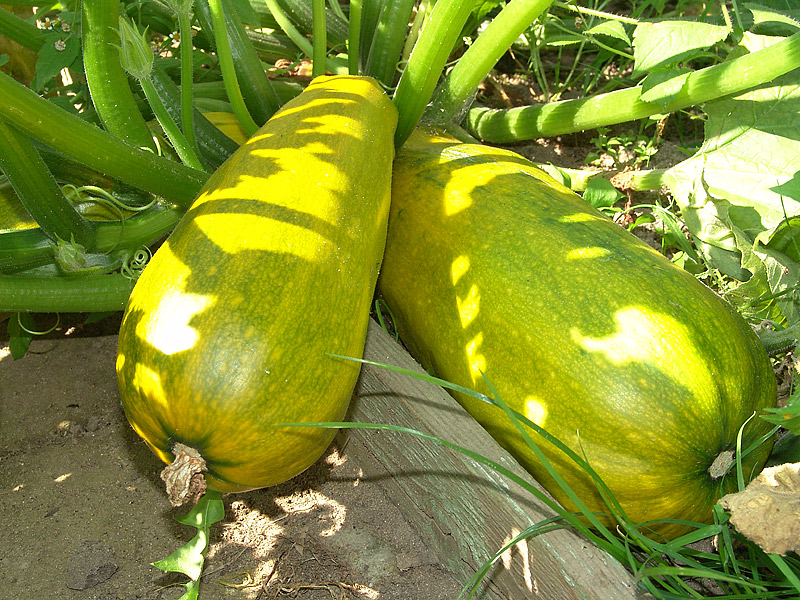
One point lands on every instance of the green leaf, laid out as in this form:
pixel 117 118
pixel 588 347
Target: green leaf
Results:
pixel 658 45
pixel 611 28
pixel 770 291
pixel 20 326
pixel 601 193
pixel 663 85
pixel 3 59
pixel 189 558
pixel 246 12
pixel 57 52
pixel 773 21
pixel 740 193
pixel 787 416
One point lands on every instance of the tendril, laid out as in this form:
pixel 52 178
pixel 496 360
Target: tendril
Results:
pixel 134 264
pixel 103 197
pixel 26 330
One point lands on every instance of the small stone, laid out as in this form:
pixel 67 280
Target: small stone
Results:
pixel 91 564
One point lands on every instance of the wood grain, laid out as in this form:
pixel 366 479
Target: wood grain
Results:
pixel 464 510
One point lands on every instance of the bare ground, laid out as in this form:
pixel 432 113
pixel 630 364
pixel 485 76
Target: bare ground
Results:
pixel 85 513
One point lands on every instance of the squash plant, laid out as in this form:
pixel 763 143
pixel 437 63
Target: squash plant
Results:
pixel 143 152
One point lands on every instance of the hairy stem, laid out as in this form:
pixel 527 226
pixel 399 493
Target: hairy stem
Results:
pixel 95 148
pixel 107 80
pixel 427 61
pixel 568 116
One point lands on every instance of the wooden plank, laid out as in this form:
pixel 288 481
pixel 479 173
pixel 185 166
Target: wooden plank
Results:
pixel 464 510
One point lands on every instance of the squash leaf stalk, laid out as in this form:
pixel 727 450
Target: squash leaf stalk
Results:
pixel 108 83
pixel 430 54
pixel 97 149
pixel 568 116
pixel 457 90
pixel 20 31
pixel 320 39
pixel 38 190
pixel 137 60
pixel 223 46
pixel 387 45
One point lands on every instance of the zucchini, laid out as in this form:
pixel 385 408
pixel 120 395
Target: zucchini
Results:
pixel 493 268
pixel 229 330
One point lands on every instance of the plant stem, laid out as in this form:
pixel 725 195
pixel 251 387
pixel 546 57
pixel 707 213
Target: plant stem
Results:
pixel 107 80
pixel 568 116
pixel 187 79
pixel 387 47
pixel 457 90
pixel 38 191
pixel 20 31
pixel 354 37
pixel 228 71
pixel 420 16
pixel 370 15
pixel 775 342
pixel 595 13
pixel 23 250
pixel 258 92
pixel 320 48
pixel 181 145
pixel 427 61
pixel 93 293
pixel 214 146
pixel 333 65
pixel 97 149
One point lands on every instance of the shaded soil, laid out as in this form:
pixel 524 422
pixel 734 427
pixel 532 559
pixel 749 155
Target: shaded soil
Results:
pixel 85 513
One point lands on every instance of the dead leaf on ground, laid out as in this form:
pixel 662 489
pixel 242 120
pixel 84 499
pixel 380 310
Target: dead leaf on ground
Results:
pixel 768 510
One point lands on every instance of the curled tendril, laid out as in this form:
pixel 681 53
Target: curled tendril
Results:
pixel 134 264
pixel 93 193
pixel 45 332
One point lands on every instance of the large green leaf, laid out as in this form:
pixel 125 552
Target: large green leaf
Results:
pixel 738 194
pixel 663 44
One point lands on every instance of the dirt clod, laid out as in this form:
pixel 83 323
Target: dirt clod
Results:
pixel 92 563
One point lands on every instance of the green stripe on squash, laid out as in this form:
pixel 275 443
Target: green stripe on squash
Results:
pixel 493 267
pixel 273 267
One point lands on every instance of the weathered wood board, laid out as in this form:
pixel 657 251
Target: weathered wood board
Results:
pixel 466 510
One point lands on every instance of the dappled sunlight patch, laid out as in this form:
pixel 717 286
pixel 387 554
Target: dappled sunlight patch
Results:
pixel 166 327
pixel 655 339
pixel 329 104
pixel 469 306
pixel 253 529
pixel 308 501
pixel 455 201
pixel 580 217
pixel 258 138
pixel 283 184
pixel 589 252
pixel 535 410
pixel 148 383
pixel 521 548
pixel 267 234
pixel 330 124
pixel 335 458
pixel 459 267
pixel 476 360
